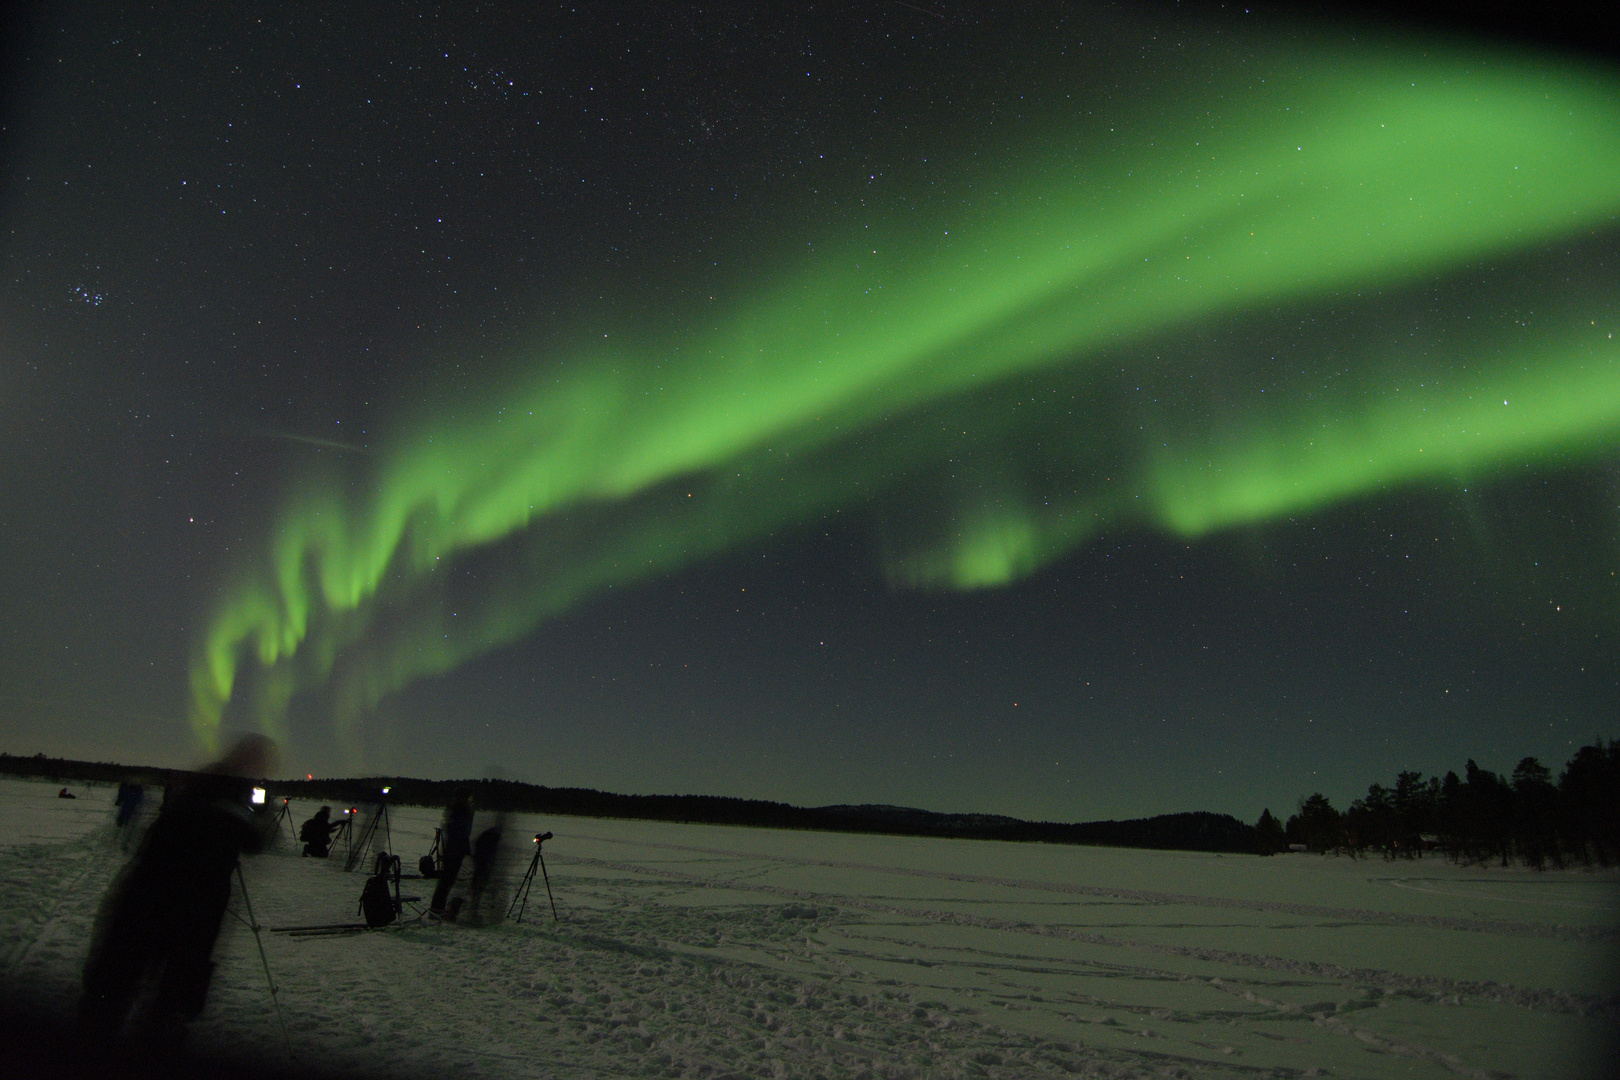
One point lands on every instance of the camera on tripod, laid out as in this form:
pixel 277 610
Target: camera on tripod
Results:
pixel 520 900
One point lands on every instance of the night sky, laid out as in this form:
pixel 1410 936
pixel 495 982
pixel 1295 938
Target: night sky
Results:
pixel 1072 412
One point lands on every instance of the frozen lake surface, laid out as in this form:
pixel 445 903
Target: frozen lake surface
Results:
pixel 705 951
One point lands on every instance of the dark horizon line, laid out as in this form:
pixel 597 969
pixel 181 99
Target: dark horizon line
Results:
pixel 1197 830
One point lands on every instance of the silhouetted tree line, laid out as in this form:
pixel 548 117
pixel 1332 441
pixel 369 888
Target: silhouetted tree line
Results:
pixel 1196 831
pixel 1475 818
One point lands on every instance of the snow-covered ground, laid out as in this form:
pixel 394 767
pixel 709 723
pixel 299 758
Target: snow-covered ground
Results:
pixel 703 951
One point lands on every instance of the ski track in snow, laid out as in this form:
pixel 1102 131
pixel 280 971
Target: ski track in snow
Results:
pixel 1362 915
pixel 676 957
pixel 1439 988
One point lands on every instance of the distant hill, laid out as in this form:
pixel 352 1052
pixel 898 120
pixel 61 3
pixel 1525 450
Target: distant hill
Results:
pixel 1196 831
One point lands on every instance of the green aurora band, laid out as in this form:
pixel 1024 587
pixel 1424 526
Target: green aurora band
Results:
pixel 1092 348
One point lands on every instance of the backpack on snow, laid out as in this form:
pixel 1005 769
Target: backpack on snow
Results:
pixel 428 865
pixel 376 903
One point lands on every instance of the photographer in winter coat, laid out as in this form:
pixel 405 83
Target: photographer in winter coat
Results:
pixel 163 911
pixel 457 840
pixel 316 833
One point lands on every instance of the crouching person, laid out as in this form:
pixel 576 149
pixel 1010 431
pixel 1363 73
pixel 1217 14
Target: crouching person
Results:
pixel 316 833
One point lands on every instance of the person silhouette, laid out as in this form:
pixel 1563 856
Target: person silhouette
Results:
pixel 160 918
pixel 316 833
pixel 457 844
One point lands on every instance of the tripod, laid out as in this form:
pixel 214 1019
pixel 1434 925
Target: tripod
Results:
pixel 345 831
pixel 253 924
pixel 357 853
pixel 521 899
pixel 284 814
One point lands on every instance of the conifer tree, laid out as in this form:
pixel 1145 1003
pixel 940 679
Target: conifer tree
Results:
pixel 1317 825
pixel 1269 837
